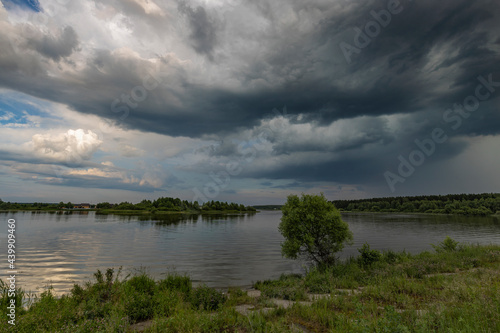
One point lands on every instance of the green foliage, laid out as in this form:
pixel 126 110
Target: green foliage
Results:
pixel 95 299
pixel 138 300
pixel 462 204
pixel 447 245
pixel 142 283
pixel 167 204
pixel 368 256
pixel 205 298
pixel 288 287
pixel 5 299
pixel 163 204
pixel 392 257
pixel 103 205
pixel 312 227
pixel 138 306
pixel 167 302
pixel 176 282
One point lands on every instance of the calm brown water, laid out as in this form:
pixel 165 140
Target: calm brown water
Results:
pixel 221 251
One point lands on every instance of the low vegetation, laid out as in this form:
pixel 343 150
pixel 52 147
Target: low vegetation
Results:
pixel 452 289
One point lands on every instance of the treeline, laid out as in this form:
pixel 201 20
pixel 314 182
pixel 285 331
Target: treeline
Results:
pixel 463 204
pixel 268 207
pixel 176 205
pixel 30 206
pixel 160 204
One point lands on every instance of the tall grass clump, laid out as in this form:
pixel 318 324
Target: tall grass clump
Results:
pixel 138 297
pixel 447 245
pixel 176 282
pixel 205 298
pixel 368 256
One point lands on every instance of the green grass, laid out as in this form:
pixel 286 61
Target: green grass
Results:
pixel 452 289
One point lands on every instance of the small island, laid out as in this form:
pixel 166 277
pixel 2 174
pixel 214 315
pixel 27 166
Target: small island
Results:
pixel 163 205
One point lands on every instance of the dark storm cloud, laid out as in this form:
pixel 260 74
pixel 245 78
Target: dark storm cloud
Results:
pixel 399 85
pixel 203 28
pixel 56 47
pixel 289 185
pixel 426 59
pixel 387 77
pixel 355 169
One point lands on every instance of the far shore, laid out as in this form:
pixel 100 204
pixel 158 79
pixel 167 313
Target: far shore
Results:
pixel 497 214
pixel 214 212
pixel 133 212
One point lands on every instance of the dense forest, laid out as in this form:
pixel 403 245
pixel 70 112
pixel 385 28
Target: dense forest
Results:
pixel 463 204
pixel 160 204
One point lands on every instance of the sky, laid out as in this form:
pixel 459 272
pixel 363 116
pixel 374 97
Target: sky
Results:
pixel 247 101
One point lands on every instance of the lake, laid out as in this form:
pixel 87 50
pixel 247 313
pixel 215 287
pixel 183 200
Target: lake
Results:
pixel 219 250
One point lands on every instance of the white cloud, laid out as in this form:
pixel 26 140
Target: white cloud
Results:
pixel 70 146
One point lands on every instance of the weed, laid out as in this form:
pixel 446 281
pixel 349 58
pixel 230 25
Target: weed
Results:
pixel 368 256
pixel 205 298
pixel 448 245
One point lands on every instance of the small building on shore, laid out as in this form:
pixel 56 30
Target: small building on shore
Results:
pixel 82 206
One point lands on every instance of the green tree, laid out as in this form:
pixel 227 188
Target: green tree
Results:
pixel 312 228
pixel 103 205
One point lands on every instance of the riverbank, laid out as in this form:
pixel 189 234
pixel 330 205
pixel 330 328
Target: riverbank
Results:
pixel 454 288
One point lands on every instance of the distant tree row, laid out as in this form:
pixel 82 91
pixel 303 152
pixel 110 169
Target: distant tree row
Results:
pixel 160 204
pixel 463 204
pixel 176 205
pixel 268 207
pixel 33 206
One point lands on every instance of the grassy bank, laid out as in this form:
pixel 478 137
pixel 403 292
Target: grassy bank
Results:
pixel 453 289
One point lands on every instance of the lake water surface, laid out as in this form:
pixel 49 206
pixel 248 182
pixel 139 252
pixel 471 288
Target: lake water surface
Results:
pixel 232 250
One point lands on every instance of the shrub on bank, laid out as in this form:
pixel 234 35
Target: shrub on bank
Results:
pixel 448 245
pixel 367 256
pixel 205 298
pixel 176 282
